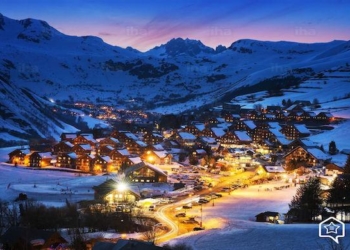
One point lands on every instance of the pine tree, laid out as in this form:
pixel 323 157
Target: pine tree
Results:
pixel 332 148
pixel 306 204
pixel 347 166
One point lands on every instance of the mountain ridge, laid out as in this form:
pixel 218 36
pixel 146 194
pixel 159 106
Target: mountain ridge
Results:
pixel 180 75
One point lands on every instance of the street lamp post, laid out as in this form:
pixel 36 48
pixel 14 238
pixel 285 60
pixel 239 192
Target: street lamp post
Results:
pixel 201 215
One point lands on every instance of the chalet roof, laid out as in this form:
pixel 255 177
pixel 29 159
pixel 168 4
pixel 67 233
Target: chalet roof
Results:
pixel 115 140
pixel 106 187
pixel 141 143
pixel 301 128
pixel 219 132
pixel 106 159
pixel 45 155
pixel 131 136
pixel 123 152
pixel 187 136
pixel 85 146
pixel 242 136
pixel 327 114
pixel 155 134
pixel 141 165
pixel 73 155
pixel 201 151
pixel 307 143
pixel 317 153
pixel 109 186
pixel 250 124
pixel 268 213
pixel 280 137
pixel 312 114
pixel 200 126
pixel 209 140
pixel 89 137
pixel 135 160
pixel 274 169
pixel 23 151
pixel 158 147
pixel 69 144
pixel 161 154
pixel 69 135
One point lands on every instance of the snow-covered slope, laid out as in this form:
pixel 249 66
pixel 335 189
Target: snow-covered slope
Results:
pixel 179 75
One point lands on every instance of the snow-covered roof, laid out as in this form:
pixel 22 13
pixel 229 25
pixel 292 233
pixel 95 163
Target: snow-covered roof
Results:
pixel 221 120
pixel 309 143
pixel 302 128
pixel 135 160
pixel 85 146
pixel 70 136
pixel 45 155
pixel 106 158
pixel 274 169
pixel 73 155
pixel 141 143
pixel 161 154
pixel 242 136
pixel 250 124
pixel 69 144
pixel 89 137
pixel 219 132
pixel 158 147
pixel 131 136
pixel 157 135
pixel 124 152
pixel 201 151
pixel 200 126
pixel 209 140
pixel 270 116
pixel 317 153
pixel 187 136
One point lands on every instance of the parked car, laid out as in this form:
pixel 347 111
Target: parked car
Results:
pixel 198 228
pixel 203 201
pixel 217 195
pixel 198 188
pixel 151 208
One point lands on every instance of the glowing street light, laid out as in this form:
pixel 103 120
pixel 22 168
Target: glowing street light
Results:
pixel 122 186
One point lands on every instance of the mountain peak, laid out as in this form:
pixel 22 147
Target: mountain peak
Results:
pixel 180 46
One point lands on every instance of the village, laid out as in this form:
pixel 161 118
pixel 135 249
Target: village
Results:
pixel 164 173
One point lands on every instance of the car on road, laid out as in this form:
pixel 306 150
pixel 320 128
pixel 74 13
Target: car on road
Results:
pixel 180 215
pixel 217 195
pixel 190 221
pixel 188 206
pixel 198 228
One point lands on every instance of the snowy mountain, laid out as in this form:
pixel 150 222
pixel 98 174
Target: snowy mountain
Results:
pixel 38 63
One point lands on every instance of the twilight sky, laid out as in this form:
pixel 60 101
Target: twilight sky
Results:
pixel 143 24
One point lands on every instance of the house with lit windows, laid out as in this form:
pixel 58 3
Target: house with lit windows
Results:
pixel 67 160
pixel 40 159
pixel 17 156
pixel 143 172
pixel 309 157
pixel 295 131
